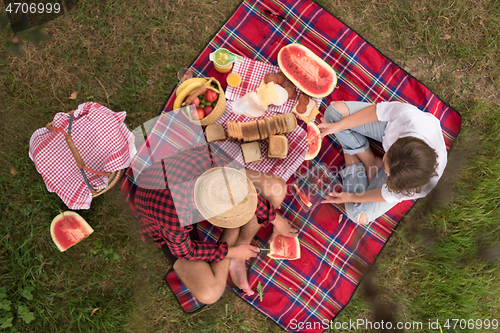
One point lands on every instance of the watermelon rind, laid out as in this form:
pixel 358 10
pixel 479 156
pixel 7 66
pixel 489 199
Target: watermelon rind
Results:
pixel 84 227
pixel 328 87
pixel 276 256
pixel 312 154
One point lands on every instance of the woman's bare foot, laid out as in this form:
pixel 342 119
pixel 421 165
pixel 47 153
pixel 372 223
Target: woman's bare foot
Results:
pixel 238 272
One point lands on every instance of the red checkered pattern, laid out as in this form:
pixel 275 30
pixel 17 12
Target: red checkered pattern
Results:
pixel 252 74
pixel 103 141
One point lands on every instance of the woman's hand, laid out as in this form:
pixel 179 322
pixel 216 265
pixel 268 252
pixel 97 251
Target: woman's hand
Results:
pixel 338 198
pixel 242 252
pixel 329 128
pixel 282 227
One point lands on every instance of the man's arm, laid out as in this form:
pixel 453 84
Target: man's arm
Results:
pixel 362 117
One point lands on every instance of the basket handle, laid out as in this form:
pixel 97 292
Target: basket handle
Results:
pixel 74 151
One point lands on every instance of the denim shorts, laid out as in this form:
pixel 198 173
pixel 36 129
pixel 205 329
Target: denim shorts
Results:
pixel 354 180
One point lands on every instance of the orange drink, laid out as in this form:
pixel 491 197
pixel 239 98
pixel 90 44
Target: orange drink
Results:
pixel 233 79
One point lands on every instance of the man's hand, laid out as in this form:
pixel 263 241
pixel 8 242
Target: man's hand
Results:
pixel 242 252
pixel 282 227
pixel 329 128
pixel 338 198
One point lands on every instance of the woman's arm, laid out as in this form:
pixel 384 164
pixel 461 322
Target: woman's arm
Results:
pixel 374 195
pixel 362 117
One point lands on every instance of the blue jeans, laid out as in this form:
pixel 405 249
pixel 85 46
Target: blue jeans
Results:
pixel 353 141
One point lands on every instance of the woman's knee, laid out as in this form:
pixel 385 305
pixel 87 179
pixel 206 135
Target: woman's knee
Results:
pixel 341 107
pixel 361 219
pixel 274 191
pixel 209 295
pixel 270 187
pixel 358 212
pixel 333 114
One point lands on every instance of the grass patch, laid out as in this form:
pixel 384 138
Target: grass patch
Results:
pixel 442 262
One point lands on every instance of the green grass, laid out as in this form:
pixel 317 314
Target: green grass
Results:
pixel 442 261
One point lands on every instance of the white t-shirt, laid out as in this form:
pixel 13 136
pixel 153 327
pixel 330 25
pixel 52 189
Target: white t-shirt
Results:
pixel 406 120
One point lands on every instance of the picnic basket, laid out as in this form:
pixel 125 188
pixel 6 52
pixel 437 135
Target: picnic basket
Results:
pixel 219 108
pixel 113 177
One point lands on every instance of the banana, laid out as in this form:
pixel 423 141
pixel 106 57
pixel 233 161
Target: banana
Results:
pixel 184 84
pixel 180 97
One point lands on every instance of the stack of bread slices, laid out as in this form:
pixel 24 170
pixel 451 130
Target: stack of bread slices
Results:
pixel 261 129
pixel 270 128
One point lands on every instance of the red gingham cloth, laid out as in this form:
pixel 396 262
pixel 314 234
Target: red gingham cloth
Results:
pixel 103 141
pixel 252 74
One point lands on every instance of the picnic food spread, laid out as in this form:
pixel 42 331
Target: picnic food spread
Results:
pixel 275 90
pixel 67 229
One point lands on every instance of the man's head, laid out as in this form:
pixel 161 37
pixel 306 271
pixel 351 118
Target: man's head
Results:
pixel 410 163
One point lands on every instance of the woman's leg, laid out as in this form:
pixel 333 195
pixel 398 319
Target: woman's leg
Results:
pixel 207 281
pixel 355 140
pixel 354 180
pixel 271 188
pixel 351 141
pixel 372 163
pixel 337 110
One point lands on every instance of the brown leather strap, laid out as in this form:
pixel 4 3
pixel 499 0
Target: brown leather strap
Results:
pixel 74 151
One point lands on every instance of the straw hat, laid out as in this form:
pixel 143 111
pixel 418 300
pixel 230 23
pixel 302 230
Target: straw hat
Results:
pixel 225 197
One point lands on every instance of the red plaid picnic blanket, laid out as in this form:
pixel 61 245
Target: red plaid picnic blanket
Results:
pixel 336 252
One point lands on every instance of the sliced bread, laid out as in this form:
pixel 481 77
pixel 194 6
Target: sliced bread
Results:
pixel 215 132
pixel 251 152
pixel 290 121
pixel 278 147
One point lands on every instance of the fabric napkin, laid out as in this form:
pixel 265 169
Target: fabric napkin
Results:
pixel 252 74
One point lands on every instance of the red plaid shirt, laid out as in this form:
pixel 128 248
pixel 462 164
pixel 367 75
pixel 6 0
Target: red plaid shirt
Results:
pixel 160 217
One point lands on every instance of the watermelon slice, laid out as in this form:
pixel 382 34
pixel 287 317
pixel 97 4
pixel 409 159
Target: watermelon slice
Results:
pixel 313 141
pixel 285 248
pixel 67 229
pixel 306 70
pixel 302 197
